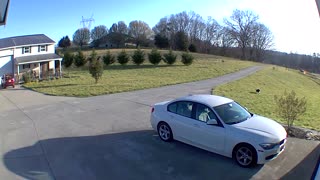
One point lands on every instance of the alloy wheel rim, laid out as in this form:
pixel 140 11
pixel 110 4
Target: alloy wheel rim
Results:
pixel 244 156
pixel 164 132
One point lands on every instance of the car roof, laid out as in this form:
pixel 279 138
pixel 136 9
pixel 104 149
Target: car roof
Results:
pixel 210 100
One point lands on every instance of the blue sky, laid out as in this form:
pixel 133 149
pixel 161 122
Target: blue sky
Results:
pixel 294 23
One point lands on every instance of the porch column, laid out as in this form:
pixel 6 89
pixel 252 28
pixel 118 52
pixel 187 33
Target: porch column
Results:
pixel 18 68
pixel 39 70
pixel 54 68
pixel 60 69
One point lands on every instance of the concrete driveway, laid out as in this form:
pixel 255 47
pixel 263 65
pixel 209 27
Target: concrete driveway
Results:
pixel 110 137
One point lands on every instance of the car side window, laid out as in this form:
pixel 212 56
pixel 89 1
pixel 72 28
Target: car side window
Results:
pixel 184 108
pixel 172 108
pixel 204 113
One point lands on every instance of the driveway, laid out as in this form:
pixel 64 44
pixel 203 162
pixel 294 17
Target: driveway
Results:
pixel 110 137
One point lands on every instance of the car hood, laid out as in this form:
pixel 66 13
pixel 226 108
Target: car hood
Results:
pixel 263 126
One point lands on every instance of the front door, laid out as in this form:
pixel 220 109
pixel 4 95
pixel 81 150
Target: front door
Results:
pixel 44 69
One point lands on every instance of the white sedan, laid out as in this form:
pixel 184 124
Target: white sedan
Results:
pixel 219 125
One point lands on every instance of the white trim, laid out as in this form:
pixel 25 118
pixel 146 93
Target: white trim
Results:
pixel 5 56
pixel 7 48
pixel 46 60
pixel 14 47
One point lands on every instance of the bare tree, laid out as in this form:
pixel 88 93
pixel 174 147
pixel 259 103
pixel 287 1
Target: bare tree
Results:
pixel 224 41
pixel 211 31
pixel 196 27
pixel 122 27
pixel 140 32
pixel 261 40
pixel 240 27
pixel 97 33
pixel 113 28
pixel 164 30
pixel 81 36
pixel 118 33
pixel 162 27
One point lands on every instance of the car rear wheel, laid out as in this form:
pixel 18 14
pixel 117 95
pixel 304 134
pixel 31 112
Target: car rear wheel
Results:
pixel 245 156
pixel 165 132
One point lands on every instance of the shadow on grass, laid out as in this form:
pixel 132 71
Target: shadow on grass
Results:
pixel 148 66
pixel 49 86
pixel 126 155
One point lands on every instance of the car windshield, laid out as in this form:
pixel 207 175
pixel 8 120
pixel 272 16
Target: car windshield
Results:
pixel 232 113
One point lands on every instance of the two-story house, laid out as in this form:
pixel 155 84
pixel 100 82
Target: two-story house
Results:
pixel 33 53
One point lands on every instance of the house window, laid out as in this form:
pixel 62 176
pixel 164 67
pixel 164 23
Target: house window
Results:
pixel 26 50
pixel 26 66
pixel 43 48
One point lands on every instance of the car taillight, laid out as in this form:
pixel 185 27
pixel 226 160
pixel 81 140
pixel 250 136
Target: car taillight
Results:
pixel 152 109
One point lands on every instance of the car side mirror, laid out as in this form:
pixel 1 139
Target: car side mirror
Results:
pixel 212 122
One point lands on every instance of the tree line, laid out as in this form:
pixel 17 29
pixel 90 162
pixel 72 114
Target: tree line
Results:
pixel 241 35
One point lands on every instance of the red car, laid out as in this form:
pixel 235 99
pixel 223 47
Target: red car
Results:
pixel 7 80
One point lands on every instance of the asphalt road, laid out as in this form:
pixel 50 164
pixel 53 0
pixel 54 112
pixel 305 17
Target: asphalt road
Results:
pixel 110 137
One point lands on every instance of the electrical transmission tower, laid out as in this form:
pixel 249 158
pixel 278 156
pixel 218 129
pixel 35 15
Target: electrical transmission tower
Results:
pixel 87 22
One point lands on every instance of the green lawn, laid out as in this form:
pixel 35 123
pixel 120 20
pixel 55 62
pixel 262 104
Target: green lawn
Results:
pixel 117 78
pixel 274 82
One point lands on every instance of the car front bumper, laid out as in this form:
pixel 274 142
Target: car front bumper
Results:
pixel 265 156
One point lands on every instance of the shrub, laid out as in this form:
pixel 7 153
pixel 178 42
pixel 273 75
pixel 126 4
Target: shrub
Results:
pixel 170 58
pixel 138 57
pixel 27 76
pixel 108 59
pixel 68 59
pixel 192 48
pixel 290 107
pixel 154 57
pixel 80 59
pixel 187 58
pixel 123 57
pixel 95 66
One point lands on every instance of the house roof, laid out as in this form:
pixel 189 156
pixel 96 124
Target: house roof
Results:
pixel 25 40
pixel 37 58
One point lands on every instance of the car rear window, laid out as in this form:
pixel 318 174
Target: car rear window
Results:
pixel 172 108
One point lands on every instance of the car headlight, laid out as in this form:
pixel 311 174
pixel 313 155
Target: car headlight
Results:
pixel 267 146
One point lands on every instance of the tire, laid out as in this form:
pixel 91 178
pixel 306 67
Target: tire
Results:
pixel 164 132
pixel 245 155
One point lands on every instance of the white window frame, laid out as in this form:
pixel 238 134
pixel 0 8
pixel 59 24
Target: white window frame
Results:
pixel 43 48
pixel 27 49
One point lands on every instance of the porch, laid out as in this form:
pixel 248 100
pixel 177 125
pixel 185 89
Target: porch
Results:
pixel 45 66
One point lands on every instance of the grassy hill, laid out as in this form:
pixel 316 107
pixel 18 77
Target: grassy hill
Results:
pixel 274 81
pixel 118 78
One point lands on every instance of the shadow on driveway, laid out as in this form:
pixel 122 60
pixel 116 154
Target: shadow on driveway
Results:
pixel 306 168
pixel 128 155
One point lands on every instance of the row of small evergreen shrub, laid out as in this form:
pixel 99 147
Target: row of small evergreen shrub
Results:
pixel 154 57
pixel 123 58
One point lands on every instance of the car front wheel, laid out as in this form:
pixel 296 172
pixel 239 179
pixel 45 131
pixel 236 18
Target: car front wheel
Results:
pixel 165 132
pixel 245 156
